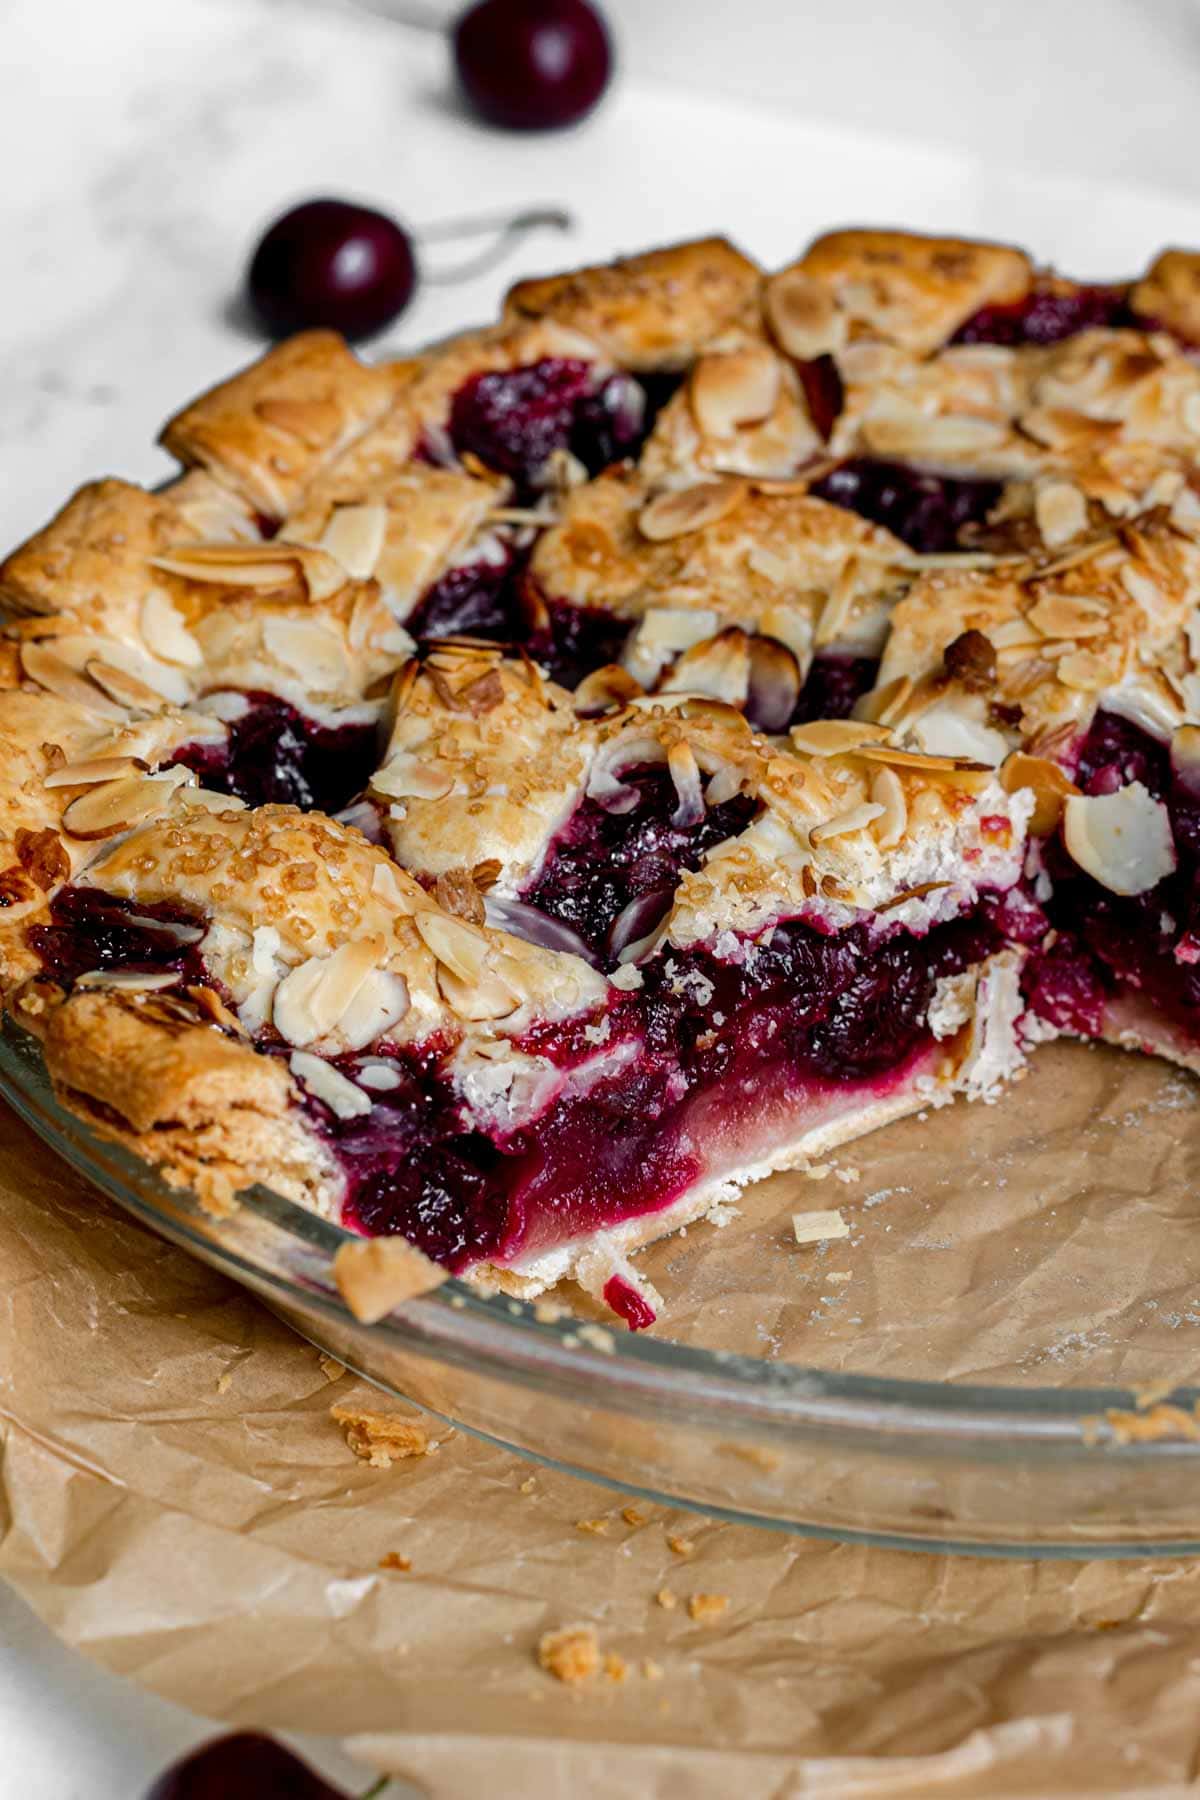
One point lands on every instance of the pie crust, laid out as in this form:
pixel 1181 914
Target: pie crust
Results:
pixel 512 798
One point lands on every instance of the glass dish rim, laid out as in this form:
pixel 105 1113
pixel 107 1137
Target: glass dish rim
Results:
pixel 626 1371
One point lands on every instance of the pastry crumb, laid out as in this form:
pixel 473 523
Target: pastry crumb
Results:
pixel 528 1485
pixel 817 1171
pixel 598 1339
pixel 633 1515
pixel 848 1174
pixel 680 1546
pixel 224 1382
pixel 571 1654
pixel 381 1438
pixel 615 1667
pixel 331 1368
pixel 666 1599
pixel 376 1274
pixel 394 1560
pixel 1161 1421
pixel 705 1608
pixel 818 1226
pixel 652 1671
pixel 549 1312
pixel 596 1527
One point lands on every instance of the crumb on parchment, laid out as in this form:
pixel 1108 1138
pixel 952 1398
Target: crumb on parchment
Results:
pixel 394 1560
pixel 571 1654
pixel 707 1608
pixel 666 1599
pixel 680 1546
pixel 381 1439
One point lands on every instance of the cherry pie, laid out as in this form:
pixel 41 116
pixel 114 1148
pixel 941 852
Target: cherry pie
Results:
pixel 512 798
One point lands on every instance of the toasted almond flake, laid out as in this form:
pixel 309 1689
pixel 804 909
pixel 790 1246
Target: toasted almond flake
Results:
pixel 1141 589
pixel 1049 784
pixel 93 769
pixel 948 731
pixel 405 777
pixel 355 537
pixel 233 565
pixel 129 981
pixel 489 996
pixel 682 510
pixel 116 806
pixel 166 634
pixel 818 1226
pixel 887 791
pixel 328 1084
pixel 735 387
pixel 1124 839
pixel 801 315
pixel 948 766
pixel 124 688
pixel 1061 513
pixel 1085 671
pixel 308 648
pixel 835 737
pixel 376 1274
pixel 914 434
pixel 611 686
pixel 459 946
pixel 49 670
pixel 847 823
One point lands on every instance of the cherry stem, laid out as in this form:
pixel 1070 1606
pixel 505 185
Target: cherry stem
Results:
pixel 507 227
pixel 376 1788
pixel 421 18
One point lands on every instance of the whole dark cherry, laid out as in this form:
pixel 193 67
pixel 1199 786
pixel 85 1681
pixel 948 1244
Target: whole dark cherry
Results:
pixel 532 65
pixel 334 264
pixel 245 1766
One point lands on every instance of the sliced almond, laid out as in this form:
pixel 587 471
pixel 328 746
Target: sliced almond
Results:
pixel 948 731
pixel 233 565
pixel 459 946
pixel 487 997
pixel 307 648
pixel 124 688
pixel 49 670
pixel 605 689
pixel 818 1226
pixel 887 792
pixel 166 634
pixel 1066 616
pixel 405 777
pixel 1050 786
pixel 116 806
pixel 355 536
pixel 802 316
pixel 1061 513
pixel 835 737
pixel 718 668
pixel 1123 840
pixel 96 768
pixel 328 1084
pixel 857 818
pixel 735 387
pixel 681 510
pixel 913 434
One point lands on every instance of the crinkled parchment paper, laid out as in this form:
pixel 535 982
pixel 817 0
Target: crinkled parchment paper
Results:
pixel 176 1500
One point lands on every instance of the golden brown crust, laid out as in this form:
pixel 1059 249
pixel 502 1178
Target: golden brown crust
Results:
pixel 1169 293
pixel 268 430
pixel 651 311
pixel 912 290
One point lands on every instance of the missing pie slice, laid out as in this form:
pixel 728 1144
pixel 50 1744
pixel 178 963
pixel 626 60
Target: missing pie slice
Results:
pixel 511 799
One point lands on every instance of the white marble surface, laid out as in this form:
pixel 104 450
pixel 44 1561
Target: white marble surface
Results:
pixel 144 142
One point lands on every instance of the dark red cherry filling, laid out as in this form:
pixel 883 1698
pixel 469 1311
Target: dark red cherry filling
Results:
pixel 1103 944
pixel 512 419
pixel 476 600
pixel 610 874
pixel 708 1049
pixel 93 930
pixel 834 686
pixel 1047 316
pixel 927 512
pixel 276 755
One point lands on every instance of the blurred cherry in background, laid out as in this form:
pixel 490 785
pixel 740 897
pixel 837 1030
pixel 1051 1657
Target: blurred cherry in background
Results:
pixel 532 65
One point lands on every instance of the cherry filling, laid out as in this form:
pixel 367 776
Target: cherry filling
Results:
pixel 475 600
pixel 512 419
pixel 834 686
pixel 1047 317
pixel 709 1062
pixel 611 872
pixel 927 512
pixel 274 754
pixel 1103 945
pixel 94 930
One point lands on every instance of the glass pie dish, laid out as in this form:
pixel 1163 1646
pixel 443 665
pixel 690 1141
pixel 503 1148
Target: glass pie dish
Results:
pixel 719 1420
